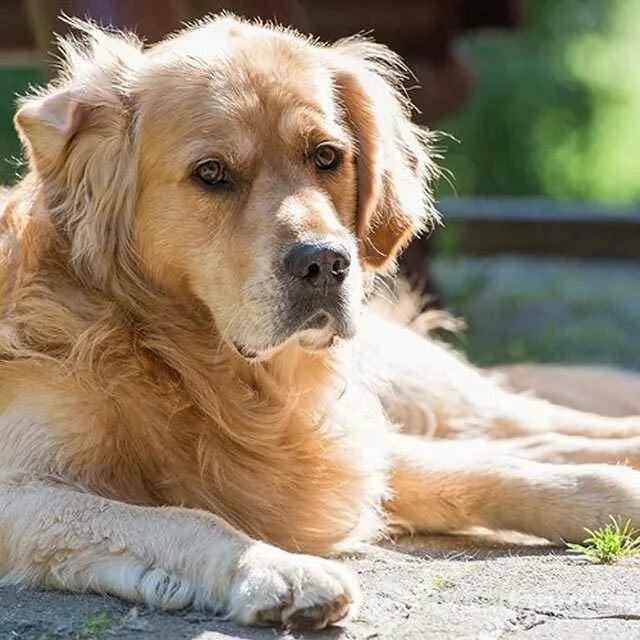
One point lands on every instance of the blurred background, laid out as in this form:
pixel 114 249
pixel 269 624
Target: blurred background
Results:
pixel 540 104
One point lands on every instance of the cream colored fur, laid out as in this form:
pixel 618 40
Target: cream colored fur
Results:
pixel 142 455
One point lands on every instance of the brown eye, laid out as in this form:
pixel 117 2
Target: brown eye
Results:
pixel 211 173
pixel 326 157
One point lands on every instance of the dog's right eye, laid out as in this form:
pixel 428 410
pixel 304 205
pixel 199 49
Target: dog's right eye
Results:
pixel 212 173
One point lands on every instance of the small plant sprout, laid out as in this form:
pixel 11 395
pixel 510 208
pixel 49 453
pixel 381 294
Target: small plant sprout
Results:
pixel 93 628
pixel 439 582
pixel 609 543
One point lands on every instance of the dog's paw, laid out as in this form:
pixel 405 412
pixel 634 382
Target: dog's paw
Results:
pixel 273 587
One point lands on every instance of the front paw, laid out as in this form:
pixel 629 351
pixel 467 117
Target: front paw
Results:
pixel 274 587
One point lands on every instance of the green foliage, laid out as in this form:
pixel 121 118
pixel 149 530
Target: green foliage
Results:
pixel 556 110
pixel 13 81
pixel 612 542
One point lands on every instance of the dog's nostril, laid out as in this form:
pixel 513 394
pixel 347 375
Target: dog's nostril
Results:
pixel 313 271
pixel 339 267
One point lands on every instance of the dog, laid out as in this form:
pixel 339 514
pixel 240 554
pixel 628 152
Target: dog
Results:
pixel 196 402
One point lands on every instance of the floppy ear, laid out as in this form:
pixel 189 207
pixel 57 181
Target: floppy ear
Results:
pixel 77 136
pixel 46 124
pixel 394 166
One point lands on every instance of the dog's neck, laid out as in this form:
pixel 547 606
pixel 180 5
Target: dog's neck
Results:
pixel 184 337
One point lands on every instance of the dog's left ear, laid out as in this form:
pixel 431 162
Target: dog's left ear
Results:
pixel 394 165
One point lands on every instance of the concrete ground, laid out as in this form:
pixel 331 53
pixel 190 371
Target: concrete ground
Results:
pixel 544 310
pixel 418 589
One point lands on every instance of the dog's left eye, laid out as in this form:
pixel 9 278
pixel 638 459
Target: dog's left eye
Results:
pixel 212 173
pixel 326 157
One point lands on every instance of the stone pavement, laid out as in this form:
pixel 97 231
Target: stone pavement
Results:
pixel 418 589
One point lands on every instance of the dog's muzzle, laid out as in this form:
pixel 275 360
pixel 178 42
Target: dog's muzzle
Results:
pixel 316 273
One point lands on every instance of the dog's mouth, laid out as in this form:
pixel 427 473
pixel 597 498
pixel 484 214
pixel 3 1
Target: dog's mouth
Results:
pixel 321 331
pixel 319 320
pixel 245 352
pixel 318 332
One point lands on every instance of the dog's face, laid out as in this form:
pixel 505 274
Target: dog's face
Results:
pixel 272 175
pixel 248 192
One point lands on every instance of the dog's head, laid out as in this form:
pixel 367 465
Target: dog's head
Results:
pixel 265 174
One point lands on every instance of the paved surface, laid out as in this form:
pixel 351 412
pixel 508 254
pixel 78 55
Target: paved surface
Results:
pixel 418 589
pixel 545 310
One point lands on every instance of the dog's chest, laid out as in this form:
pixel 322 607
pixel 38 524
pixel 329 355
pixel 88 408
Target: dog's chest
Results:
pixel 316 486
pixel 310 480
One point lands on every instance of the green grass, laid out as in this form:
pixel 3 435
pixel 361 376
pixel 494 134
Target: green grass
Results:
pixel 543 309
pixel 609 543
pixel 93 628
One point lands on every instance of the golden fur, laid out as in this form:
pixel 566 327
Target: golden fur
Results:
pixel 143 455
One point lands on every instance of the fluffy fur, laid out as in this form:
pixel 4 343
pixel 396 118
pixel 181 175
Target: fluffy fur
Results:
pixel 143 455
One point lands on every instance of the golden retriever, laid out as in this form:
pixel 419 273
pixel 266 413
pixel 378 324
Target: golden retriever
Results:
pixel 192 394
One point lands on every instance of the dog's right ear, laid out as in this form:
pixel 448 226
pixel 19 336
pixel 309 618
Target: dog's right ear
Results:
pixel 79 136
pixel 90 91
pixel 47 123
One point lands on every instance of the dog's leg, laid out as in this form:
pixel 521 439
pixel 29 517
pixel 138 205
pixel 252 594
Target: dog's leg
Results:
pixel 166 557
pixel 560 448
pixel 520 415
pixel 430 390
pixel 445 486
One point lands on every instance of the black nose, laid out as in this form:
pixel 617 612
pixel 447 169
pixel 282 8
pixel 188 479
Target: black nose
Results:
pixel 318 264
